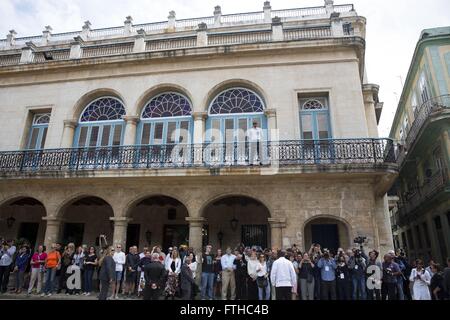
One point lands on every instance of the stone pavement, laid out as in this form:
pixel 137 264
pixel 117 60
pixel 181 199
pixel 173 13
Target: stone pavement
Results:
pixel 60 296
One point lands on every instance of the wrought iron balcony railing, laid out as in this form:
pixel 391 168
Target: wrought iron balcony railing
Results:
pixel 279 153
pixel 433 185
pixel 427 109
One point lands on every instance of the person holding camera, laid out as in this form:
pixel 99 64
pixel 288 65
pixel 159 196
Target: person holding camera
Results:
pixel 315 254
pixel 391 271
pixel 421 279
pixel 373 277
pixel 357 267
pixel 327 267
pixel 6 259
pixel 342 277
pixel 306 277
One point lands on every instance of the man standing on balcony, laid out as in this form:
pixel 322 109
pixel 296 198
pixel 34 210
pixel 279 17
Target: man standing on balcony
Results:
pixel 255 136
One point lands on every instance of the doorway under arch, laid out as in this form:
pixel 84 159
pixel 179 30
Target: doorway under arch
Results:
pixel 21 219
pixel 158 220
pixel 235 220
pixel 330 233
pixel 85 219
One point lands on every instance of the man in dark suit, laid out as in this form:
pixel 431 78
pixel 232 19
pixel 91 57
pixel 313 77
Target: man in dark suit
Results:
pixel 107 273
pixel 187 280
pixel 154 274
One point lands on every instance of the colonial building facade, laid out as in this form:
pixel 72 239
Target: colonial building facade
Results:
pixel 421 219
pixel 141 133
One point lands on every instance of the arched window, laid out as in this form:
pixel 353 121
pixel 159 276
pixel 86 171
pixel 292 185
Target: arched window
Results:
pixel 166 119
pixel 236 100
pixel 314 118
pixel 101 123
pixel 232 112
pixel 38 131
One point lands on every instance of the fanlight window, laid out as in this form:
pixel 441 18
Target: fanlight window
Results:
pixel 235 101
pixel 166 105
pixel 43 118
pixel 313 104
pixel 103 109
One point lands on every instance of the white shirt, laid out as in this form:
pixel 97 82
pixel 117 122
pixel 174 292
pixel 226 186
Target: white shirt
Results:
pixel 262 269
pixel 420 287
pixel 177 264
pixel 254 134
pixel 119 259
pixel 193 267
pixel 252 265
pixel 283 273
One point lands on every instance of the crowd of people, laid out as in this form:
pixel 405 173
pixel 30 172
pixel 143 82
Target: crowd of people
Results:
pixel 245 273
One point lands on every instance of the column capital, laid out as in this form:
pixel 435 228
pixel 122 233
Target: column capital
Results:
pixel 119 220
pixel 200 115
pixel 70 123
pixel 270 113
pixel 193 221
pixel 277 222
pixel 131 119
pixel 52 220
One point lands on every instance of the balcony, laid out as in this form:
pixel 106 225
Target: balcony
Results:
pixel 293 153
pixel 431 108
pixel 435 185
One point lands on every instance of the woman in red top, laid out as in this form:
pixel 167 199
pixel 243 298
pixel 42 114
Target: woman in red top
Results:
pixel 37 269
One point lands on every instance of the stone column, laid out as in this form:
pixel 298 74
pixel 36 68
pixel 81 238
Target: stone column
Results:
pixel 68 133
pixel 128 26
pixel 196 241
pixel 202 35
pixel 446 149
pixel 27 53
pixel 267 12
pixel 171 23
pixel 52 230
pixel 271 115
pixel 199 126
pixel 11 38
pixel 277 29
pixel 130 130
pixel 433 236
pixel 446 232
pixel 195 233
pixel 46 35
pixel 86 31
pixel 120 231
pixel 337 29
pixel 276 232
pixel 383 224
pixel 139 41
pixel 75 48
pixel 217 16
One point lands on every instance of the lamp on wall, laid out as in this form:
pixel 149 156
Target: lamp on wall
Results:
pixel 234 222
pixel 148 236
pixel 220 238
pixel 10 222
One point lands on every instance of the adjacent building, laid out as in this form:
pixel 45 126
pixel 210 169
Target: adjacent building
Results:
pixel 143 133
pixel 421 220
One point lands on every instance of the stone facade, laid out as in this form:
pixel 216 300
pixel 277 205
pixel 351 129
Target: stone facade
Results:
pixel 289 199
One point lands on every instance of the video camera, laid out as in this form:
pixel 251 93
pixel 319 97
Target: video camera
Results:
pixel 360 240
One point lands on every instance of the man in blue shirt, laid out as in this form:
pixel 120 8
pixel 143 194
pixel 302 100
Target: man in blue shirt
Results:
pixel 327 267
pixel 228 278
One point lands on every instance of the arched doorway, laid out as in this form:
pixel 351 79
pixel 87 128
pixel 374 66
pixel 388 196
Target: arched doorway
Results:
pixel 329 232
pixel 158 220
pixel 85 219
pixel 21 219
pixel 234 220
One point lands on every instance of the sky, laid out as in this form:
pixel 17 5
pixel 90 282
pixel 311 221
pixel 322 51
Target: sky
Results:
pixel 393 27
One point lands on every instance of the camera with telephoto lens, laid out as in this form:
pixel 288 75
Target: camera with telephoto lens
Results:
pixel 360 240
